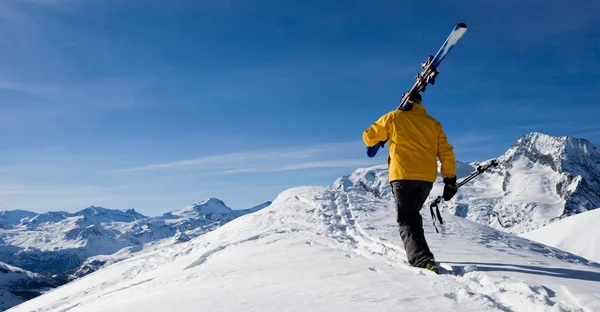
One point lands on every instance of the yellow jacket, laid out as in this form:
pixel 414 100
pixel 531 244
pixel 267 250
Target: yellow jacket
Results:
pixel 415 140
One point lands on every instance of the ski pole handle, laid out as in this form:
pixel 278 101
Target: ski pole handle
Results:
pixel 436 202
pixel 372 150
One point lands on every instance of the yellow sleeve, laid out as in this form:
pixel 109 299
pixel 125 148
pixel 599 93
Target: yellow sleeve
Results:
pixel 446 156
pixel 378 131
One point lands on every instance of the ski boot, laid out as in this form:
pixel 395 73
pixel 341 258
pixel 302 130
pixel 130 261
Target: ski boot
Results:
pixel 432 266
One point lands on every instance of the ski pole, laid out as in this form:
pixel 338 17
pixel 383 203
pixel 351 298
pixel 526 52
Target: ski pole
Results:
pixel 438 200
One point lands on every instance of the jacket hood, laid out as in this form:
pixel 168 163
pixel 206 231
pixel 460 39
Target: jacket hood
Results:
pixel 418 107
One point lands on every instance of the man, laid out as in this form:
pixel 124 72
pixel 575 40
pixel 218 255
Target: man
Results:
pixel 416 140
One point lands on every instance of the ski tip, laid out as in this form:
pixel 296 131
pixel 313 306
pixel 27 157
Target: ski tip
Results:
pixel 461 25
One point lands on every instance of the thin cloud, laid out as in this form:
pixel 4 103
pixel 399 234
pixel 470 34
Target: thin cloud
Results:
pixel 260 159
pixel 199 162
pixel 31 88
pixel 309 165
pixel 28 190
pixel 62 197
pixel 106 91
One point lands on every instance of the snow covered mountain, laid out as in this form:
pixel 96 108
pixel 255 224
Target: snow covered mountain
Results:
pixel 173 227
pixel 14 217
pixel 18 285
pixel 578 234
pixel 335 249
pixel 539 180
pixel 58 243
pixel 576 160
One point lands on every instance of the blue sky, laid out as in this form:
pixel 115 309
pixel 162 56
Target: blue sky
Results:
pixel 156 105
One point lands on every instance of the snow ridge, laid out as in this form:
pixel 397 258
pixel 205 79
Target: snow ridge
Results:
pixel 577 234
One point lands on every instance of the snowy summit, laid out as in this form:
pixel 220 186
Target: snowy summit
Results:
pixel 540 179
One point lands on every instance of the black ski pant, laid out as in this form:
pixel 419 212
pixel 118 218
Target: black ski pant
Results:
pixel 409 196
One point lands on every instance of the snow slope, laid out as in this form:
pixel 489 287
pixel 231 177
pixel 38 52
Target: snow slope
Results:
pixel 578 234
pixel 335 249
pixel 97 262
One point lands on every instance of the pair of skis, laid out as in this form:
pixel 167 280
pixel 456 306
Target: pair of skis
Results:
pixel 428 75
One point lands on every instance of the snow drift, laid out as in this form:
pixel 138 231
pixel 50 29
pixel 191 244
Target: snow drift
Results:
pixel 578 234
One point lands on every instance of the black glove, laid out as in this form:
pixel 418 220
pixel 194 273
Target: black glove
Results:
pixel 449 188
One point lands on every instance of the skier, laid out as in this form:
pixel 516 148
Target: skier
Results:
pixel 415 141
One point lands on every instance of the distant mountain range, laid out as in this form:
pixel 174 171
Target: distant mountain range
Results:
pixel 58 243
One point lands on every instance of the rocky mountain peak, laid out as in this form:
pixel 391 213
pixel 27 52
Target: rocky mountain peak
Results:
pixel 576 161
pixel 211 205
pixel 561 153
pixel 100 214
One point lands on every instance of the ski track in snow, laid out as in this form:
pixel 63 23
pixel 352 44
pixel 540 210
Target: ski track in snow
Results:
pixel 211 252
pixel 500 292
